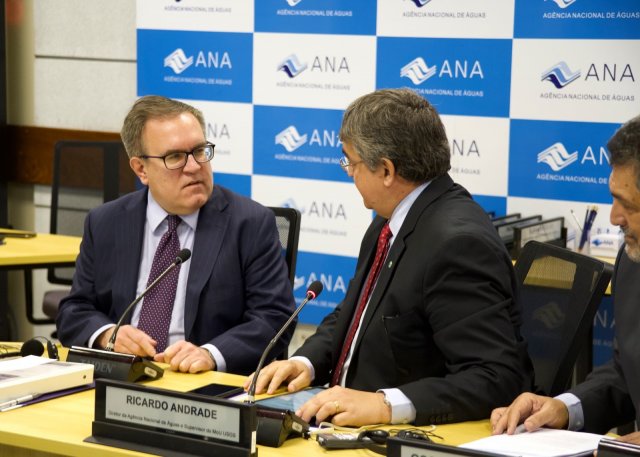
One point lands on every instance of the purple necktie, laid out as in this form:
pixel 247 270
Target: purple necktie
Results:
pixel 157 305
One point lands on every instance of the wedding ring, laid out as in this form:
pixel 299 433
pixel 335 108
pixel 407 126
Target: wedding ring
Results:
pixel 337 405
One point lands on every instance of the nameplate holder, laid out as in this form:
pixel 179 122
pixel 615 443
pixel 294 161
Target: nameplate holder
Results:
pixel 407 447
pixel 165 422
pixel 614 448
pixel 550 231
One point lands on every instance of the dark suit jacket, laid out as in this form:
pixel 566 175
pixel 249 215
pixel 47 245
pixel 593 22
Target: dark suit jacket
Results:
pixel 610 396
pixel 442 323
pixel 238 291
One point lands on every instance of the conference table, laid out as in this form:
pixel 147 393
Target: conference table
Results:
pixel 59 426
pixel 40 251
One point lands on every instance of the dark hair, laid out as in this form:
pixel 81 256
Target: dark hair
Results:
pixel 624 146
pixel 151 107
pixel 401 126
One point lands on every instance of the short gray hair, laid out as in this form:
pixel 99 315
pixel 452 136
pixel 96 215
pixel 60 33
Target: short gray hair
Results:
pixel 151 107
pixel 399 125
pixel 624 146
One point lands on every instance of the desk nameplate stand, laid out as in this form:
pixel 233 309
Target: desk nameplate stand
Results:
pixel 169 423
pixel 406 447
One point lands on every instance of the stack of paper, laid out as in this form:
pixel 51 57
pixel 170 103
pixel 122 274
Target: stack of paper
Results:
pixel 34 376
pixel 541 443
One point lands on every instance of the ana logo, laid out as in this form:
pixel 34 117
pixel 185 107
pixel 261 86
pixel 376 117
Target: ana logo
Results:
pixel 295 2
pixel 328 282
pixel 460 147
pixel 290 139
pixel 420 3
pixel 564 3
pixel 292 66
pixel 557 157
pixel 560 75
pixel 218 131
pixel 319 209
pixel 417 71
pixel 178 61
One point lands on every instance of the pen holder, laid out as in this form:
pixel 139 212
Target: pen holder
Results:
pixel 583 242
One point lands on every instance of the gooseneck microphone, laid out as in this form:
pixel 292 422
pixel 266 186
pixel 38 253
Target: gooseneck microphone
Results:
pixel 314 289
pixel 182 257
pixel 115 365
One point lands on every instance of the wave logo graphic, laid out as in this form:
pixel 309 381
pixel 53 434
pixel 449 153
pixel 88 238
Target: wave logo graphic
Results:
pixel 560 75
pixel 564 3
pixel 178 61
pixel 421 3
pixel 417 71
pixel 292 66
pixel 295 2
pixel 290 139
pixel 557 157
pixel 298 282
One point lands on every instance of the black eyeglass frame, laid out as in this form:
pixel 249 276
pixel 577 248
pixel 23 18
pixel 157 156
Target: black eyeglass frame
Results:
pixel 185 154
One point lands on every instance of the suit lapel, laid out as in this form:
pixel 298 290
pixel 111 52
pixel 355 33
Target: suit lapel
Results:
pixel 433 191
pixel 128 248
pixel 213 221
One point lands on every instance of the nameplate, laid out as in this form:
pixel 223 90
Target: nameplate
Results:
pixel 543 231
pixel 137 414
pixel 405 447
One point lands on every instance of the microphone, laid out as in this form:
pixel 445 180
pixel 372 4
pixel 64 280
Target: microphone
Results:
pixel 182 257
pixel 314 289
pixel 115 365
pixel 275 426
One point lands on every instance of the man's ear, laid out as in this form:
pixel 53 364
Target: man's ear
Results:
pixel 390 172
pixel 138 167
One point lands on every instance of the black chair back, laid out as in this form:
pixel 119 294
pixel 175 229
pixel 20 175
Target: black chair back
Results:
pixel 288 222
pixel 560 291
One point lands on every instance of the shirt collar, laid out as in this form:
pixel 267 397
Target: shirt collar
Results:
pixel 400 212
pixel 156 215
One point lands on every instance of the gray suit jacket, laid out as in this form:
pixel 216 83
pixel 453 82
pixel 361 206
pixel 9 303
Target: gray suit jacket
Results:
pixel 610 396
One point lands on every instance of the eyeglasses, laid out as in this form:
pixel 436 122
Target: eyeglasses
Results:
pixel 345 163
pixel 176 160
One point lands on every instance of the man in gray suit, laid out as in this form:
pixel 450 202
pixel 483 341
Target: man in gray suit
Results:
pixel 610 396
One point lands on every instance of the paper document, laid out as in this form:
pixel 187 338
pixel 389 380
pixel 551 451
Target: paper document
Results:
pixel 541 443
pixel 31 376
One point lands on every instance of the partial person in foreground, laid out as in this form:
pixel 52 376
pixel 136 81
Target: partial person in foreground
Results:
pixel 215 312
pixel 610 396
pixel 428 331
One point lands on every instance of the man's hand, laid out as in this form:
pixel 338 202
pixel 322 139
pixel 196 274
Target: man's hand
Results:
pixel 293 372
pixel 633 438
pixel 536 411
pixel 186 357
pixel 344 406
pixel 129 340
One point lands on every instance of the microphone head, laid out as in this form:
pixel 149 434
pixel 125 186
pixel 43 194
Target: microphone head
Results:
pixel 315 289
pixel 183 256
pixel 32 347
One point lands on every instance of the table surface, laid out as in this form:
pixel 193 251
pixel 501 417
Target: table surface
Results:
pixel 42 249
pixel 60 425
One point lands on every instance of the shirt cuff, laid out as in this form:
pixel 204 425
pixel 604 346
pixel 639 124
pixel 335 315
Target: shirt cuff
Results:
pixel 576 414
pixel 221 363
pixel 307 362
pixel 402 410
pixel 97 333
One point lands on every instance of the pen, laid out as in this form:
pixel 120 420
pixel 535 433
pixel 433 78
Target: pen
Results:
pixel 575 218
pixel 17 401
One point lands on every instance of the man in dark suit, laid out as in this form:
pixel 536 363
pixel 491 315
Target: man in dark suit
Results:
pixel 427 333
pixel 231 297
pixel 610 396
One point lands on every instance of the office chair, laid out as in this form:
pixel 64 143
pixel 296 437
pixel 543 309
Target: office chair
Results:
pixel 85 175
pixel 560 291
pixel 288 223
